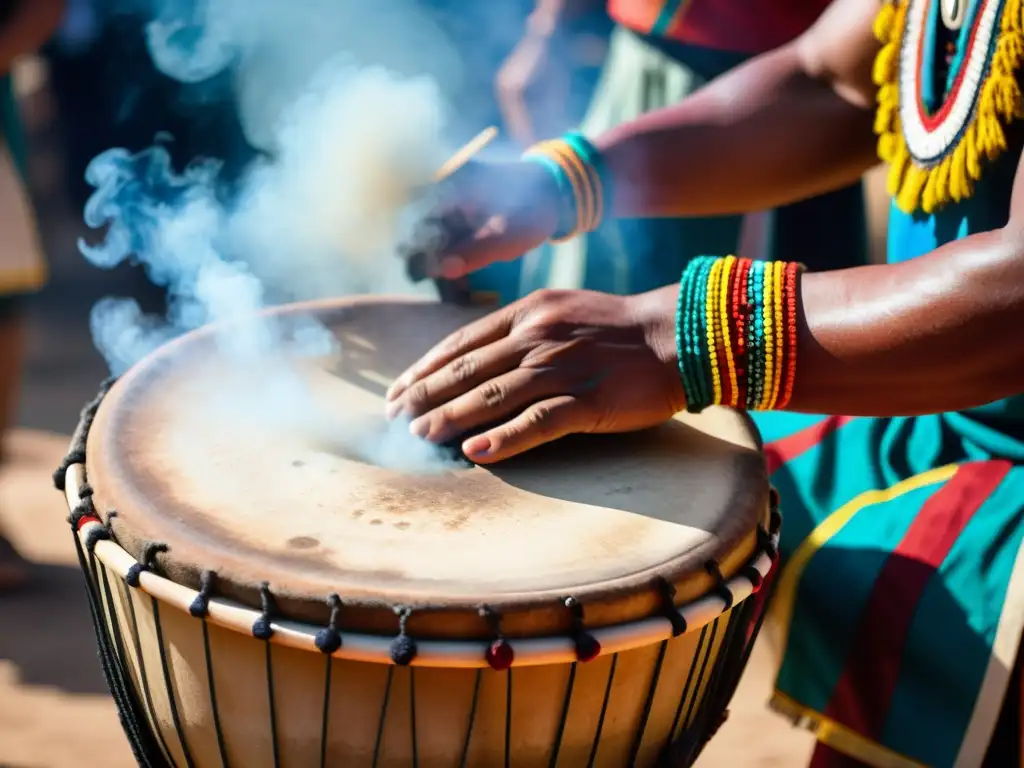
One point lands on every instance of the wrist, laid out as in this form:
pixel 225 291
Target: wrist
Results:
pixel 736 332
pixel 542 193
pixel 655 313
pixel 578 171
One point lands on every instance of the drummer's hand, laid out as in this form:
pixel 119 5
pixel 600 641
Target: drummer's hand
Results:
pixel 510 209
pixel 552 364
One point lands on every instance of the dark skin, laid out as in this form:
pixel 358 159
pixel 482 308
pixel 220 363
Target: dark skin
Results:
pixel 875 340
pixel 534 81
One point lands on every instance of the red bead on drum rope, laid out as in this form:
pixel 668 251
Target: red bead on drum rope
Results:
pixel 500 655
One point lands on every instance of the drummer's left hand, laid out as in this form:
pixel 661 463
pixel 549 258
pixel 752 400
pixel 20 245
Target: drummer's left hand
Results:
pixel 552 364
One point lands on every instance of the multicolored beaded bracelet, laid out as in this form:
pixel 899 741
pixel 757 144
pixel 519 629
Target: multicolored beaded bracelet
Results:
pixel 581 177
pixel 736 335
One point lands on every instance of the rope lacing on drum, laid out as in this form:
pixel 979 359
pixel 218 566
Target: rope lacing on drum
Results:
pixel 403 647
pixel 721 588
pixel 669 609
pixel 328 639
pixel 587 646
pixel 146 562
pixel 499 654
pixel 85 510
pixel 766 536
pixel 262 629
pixel 200 605
pixel 95 534
pixel 76 452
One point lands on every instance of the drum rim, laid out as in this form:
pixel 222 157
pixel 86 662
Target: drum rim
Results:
pixel 380 649
pixel 634 593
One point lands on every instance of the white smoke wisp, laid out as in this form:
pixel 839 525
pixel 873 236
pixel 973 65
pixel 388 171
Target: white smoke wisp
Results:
pixel 345 98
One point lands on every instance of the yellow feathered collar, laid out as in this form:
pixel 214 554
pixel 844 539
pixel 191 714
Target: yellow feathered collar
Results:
pixel 936 158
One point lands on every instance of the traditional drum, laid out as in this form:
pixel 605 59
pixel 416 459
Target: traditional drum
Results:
pixel 279 579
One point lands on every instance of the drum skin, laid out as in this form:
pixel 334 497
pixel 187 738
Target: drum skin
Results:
pixel 272 506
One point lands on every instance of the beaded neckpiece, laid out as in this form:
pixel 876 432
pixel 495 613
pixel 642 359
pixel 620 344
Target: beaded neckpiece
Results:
pixel 936 152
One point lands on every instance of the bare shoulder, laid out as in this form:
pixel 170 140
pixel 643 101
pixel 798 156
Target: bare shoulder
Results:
pixel 840 48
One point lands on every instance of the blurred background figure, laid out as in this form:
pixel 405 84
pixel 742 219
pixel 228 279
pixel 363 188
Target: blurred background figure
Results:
pixel 24 26
pixel 660 51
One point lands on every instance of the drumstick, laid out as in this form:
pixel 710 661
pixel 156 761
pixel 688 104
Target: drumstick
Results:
pixel 464 155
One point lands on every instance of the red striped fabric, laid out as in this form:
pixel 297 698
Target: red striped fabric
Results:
pixel 862 696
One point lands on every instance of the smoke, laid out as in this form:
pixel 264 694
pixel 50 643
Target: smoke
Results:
pixel 345 99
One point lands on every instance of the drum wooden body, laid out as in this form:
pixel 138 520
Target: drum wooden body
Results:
pixel 268 593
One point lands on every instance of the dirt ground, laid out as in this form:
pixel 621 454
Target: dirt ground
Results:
pixel 54 709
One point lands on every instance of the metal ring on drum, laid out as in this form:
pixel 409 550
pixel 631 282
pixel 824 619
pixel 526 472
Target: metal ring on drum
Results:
pixel 591 603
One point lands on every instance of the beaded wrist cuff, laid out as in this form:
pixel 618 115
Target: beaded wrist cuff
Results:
pixel 580 174
pixel 736 332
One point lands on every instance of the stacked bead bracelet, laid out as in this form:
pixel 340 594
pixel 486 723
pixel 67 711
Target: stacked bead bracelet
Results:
pixel 579 173
pixel 736 332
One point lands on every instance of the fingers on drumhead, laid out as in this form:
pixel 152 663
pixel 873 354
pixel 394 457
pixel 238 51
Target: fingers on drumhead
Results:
pixel 540 423
pixel 465 373
pixel 495 399
pixel 482 332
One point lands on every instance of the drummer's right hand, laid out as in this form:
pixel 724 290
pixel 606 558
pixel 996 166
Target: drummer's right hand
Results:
pixel 551 364
pixel 487 212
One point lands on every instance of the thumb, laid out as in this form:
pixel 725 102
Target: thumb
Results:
pixel 494 242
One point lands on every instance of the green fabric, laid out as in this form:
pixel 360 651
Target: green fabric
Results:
pixel 952 624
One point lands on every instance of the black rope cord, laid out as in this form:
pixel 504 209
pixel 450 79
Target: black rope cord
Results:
pixel 146 563
pixel 669 609
pixel 712 711
pixel 140 739
pixel 262 629
pixel 472 719
pixel 145 749
pixel 563 717
pixel 199 608
pixel 721 587
pixel 385 701
pixel 97 533
pixel 85 510
pixel 741 631
pixel 169 687
pixel 766 541
pixel 328 639
pixel 604 711
pixel 587 646
pixel 638 740
pixel 499 654
pixel 76 452
pixel 403 647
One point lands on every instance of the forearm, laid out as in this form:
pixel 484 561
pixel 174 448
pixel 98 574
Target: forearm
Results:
pixel 31 24
pixel 762 135
pixel 933 334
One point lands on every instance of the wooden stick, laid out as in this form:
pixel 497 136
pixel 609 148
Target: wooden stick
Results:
pixel 464 155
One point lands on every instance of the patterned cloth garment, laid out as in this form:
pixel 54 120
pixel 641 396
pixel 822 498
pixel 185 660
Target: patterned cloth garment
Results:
pixel 900 607
pixel 741 26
